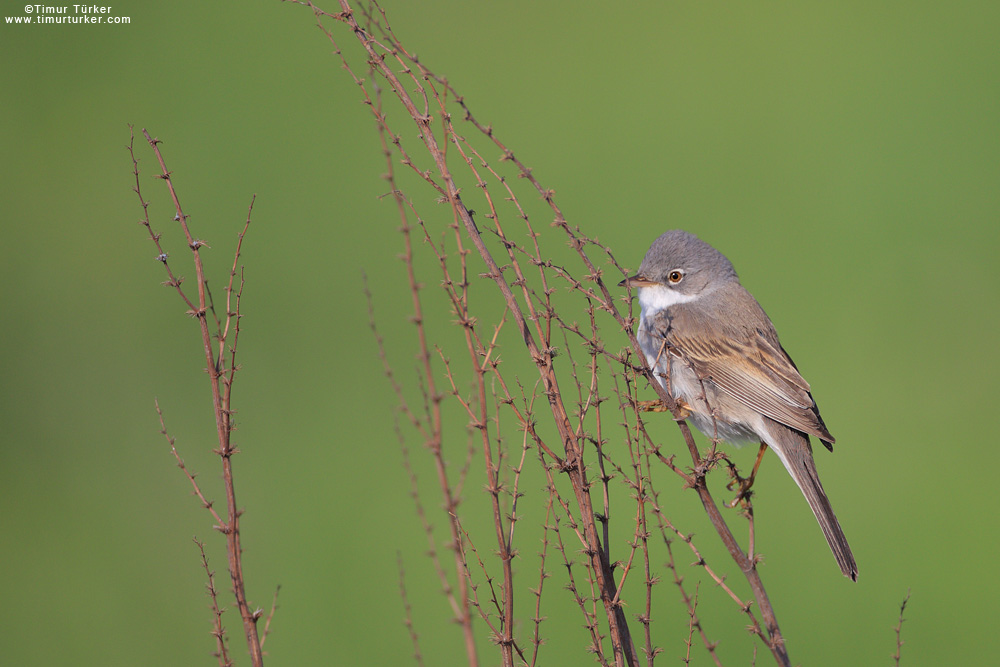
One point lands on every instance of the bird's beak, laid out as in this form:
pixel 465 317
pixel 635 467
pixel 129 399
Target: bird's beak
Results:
pixel 636 281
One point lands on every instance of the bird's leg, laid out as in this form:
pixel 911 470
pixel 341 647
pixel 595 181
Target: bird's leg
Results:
pixel 760 457
pixel 745 484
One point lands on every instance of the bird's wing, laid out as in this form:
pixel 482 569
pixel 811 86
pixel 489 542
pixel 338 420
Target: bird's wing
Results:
pixel 748 365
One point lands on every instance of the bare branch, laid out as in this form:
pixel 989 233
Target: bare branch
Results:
pixel 899 629
pixel 220 382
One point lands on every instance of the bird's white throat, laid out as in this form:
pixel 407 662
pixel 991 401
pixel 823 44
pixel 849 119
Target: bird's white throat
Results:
pixel 658 297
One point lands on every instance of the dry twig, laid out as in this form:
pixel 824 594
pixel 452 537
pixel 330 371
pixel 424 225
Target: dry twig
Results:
pixel 541 298
pixel 899 629
pixel 220 364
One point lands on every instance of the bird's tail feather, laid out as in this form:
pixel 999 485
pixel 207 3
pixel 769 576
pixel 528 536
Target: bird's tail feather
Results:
pixel 793 448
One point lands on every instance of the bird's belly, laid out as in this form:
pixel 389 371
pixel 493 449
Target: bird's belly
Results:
pixel 713 412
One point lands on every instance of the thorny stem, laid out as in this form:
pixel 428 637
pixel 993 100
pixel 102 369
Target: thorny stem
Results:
pixel 621 640
pixel 220 397
pixel 434 420
pixel 383 58
pixel 899 629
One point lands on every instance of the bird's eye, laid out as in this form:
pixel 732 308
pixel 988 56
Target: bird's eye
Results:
pixel 675 276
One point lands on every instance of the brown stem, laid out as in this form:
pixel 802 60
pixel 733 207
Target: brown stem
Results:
pixel 534 324
pixel 620 637
pixel 222 422
pixel 434 443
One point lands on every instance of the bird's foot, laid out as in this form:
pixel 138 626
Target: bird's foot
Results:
pixel 683 409
pixel 745 483
pixel 744 493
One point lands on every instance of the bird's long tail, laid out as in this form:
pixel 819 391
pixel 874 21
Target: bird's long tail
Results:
pixel 794 450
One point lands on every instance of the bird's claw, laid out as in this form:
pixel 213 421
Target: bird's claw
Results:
pixel 744 493
pixel 658 406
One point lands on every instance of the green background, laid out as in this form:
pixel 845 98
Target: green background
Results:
pixel 843 155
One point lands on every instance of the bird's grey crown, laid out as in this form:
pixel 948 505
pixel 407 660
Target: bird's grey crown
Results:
pixel 678 249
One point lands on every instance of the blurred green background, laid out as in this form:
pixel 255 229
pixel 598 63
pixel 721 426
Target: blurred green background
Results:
pixel 845 156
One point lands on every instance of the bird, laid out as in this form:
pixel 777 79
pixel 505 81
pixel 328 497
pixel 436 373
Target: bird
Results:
pixel 715 350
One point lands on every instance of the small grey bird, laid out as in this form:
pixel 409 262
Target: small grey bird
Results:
pixel 715 350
